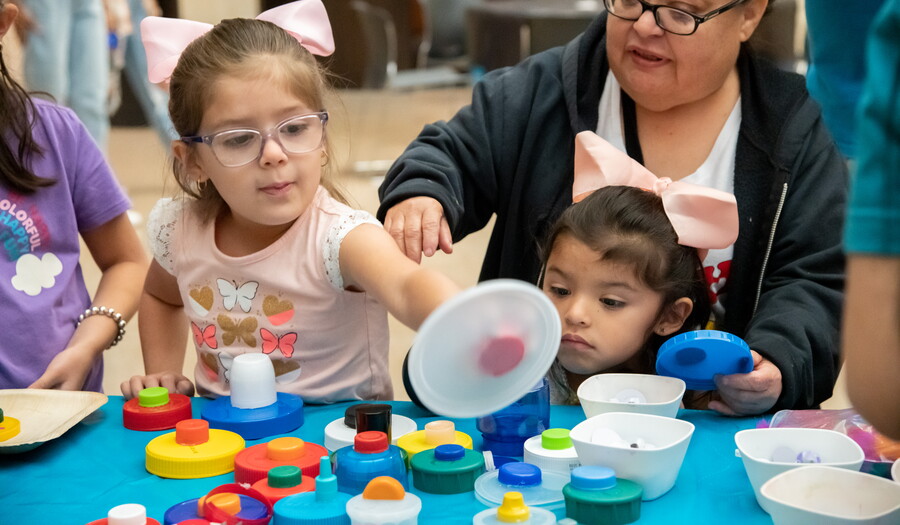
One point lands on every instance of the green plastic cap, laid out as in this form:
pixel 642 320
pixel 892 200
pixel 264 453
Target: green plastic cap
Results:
pixel 155 396
pixel 556 439
pixel 601 500
pixel 285 476
pixel 439 476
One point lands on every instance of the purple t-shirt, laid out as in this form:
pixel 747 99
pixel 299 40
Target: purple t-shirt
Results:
pixel 42 290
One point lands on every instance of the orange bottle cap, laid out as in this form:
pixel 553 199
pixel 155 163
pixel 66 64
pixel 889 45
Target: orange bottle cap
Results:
pixel 192 432
pixel 440 432
pixel 227 502
pixel 384 488
pixel 285 449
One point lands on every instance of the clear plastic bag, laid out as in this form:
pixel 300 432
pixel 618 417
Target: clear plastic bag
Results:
pixel 879 450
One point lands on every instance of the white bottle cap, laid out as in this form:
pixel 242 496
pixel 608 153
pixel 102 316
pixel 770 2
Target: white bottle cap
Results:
pixel 127 514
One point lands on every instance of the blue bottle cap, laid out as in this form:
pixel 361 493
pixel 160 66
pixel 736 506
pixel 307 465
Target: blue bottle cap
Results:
pixel 449 452
pixel 589 477
pixel 281 417
pixel 696 357
pixel 519 474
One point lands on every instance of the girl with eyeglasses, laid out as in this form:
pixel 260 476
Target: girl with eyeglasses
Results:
pixel 261 254
pixel 56 190
pixel 676 86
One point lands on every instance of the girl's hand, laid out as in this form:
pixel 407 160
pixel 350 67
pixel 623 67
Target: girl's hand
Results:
pixel 171 381
pixel 751 393
pixel 67 370
pixel 418 226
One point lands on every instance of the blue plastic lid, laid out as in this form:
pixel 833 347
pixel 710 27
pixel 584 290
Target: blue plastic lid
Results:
pixel 590 477
pixel 281 417
pixel 696 357
pixel 519 474
pixel 449 452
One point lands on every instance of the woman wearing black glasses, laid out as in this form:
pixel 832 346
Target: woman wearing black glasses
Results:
pixel 677 87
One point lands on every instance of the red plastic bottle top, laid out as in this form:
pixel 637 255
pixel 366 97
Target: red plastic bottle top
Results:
pixel 192 432
pixel 252 463
pixel 155 409
pixel 370 442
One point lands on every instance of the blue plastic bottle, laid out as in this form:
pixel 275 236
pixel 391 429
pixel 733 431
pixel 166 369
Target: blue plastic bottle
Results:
pixel 504 432
pixel 371 456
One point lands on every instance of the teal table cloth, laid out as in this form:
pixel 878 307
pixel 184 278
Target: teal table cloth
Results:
pixel 99 464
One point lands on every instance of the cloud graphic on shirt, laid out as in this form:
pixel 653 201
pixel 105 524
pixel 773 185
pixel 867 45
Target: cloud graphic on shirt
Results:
pixel 33 274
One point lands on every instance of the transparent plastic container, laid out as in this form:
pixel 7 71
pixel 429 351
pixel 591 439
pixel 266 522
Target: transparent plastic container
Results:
pixel 504 432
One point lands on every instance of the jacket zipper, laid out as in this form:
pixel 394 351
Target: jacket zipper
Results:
pixel 765 263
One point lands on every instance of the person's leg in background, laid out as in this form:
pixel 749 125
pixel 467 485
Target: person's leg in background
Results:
pixel 47 48
pixel 152 99
pixel 89 68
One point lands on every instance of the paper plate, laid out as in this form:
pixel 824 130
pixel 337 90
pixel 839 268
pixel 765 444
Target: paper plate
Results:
pixel 484 348
pixel 44 414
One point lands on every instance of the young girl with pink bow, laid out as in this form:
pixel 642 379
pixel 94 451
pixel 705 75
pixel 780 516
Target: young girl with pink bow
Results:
pixel 262 254
pixel 623 264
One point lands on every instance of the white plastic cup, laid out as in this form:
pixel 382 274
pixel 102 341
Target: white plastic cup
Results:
pixel 823 495
pixel 252 381
pixel 598 394
pixel 757 446
pixel 655 469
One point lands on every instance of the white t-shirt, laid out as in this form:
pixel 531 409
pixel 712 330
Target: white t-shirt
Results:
pixel 717 171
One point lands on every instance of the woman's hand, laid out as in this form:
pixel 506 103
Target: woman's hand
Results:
pixel 418 226
pixel 67 370
pixel 171 381
pixel 751 393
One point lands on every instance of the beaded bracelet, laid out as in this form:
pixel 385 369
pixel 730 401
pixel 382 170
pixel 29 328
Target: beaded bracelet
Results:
pixel 108 312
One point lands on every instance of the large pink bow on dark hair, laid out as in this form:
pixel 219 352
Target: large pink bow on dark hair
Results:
pixel 702 217
pixel 165 38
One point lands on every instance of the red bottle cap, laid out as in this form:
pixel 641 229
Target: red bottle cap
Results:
pixel 370 442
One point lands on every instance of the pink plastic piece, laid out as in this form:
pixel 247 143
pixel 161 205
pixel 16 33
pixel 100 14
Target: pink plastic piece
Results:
pixel 501 355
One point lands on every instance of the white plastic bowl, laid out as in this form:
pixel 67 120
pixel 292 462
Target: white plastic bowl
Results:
pixel 895 471
pixel 654 469
pixel 823 495
pixel 756 447
pixel 663 394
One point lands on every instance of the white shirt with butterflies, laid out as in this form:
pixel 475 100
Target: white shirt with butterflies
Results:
pixel 287 301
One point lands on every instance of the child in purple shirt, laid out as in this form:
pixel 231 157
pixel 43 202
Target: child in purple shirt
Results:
pixel 55 187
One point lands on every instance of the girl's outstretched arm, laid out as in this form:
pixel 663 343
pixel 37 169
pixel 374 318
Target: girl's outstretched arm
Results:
pixel 163 328
pixel 371 261
pixel 119 255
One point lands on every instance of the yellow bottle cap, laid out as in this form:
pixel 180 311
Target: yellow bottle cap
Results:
pixel 193 451
pixel 9 427
pixel 513 509
pixel 435 433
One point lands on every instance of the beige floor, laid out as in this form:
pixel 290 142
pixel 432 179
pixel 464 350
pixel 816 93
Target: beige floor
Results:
pixel 368 130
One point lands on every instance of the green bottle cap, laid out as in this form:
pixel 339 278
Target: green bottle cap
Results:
pixel 596 496
pixel 155 396
pixel 285 476
pixel 556 439
pixel 447 469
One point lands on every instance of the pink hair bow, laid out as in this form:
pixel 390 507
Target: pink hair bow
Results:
pixel 702 217
pixel 165 38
